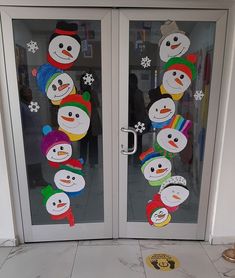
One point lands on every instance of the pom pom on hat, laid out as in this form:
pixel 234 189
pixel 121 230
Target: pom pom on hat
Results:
pixel 52 138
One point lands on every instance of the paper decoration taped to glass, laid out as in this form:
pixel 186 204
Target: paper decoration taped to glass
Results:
pixel 57 204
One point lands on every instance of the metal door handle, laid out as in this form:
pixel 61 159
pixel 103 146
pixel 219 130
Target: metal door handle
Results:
pixel 134 149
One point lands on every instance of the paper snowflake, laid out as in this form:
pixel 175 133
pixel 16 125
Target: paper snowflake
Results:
pixel 32 46
pixel 145 62
pixel 88 79
pixel 198 95
pixel 33 106
pixel 140 127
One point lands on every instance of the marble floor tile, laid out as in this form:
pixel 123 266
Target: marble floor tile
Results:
pixel 45 260
pixel 194 262
pixel 104 242
pixel 4 252
pixel 225 269
pixel 116 261
pixel 154 243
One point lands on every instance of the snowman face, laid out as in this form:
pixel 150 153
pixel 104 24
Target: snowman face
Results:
pixel 159 216
pixel 174 45
pixel 73 119
pixel 162 110
pixel 60 87
pixel 59 153
pixel 174 195
pixel 64 49
pixel 58 203
pixel 172 140
pixel 157 169
pixel 175 81
pixel 69 181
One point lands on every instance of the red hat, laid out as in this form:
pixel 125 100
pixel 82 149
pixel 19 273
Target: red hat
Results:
pixel 152 206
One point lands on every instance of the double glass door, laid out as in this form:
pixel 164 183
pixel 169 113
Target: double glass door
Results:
pixel 85 93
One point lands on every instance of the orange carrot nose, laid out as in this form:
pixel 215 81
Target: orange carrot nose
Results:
pixel 61 205
pixel 179 81
pixel 165 110
pixel 65 52
pixel 62 87
pixel 161 216
pixel 175 45
pixel 62 153
pixel 159 171
pixel 65 181
pixel 67 119
pixel 172 143
pixel 176 197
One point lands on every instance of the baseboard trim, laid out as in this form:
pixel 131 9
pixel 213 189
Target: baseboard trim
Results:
pixel 222 240
pixel 8 242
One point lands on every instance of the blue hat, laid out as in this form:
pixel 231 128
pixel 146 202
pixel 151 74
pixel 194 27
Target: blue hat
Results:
pixel 45 75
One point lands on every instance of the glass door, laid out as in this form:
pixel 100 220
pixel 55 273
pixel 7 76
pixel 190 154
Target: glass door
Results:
pixel 58 71
pixel 170 71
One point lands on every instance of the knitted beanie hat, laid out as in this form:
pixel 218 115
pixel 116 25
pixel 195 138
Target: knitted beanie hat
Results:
pixel 168 28
pixel 52 138
pixel 48 191
pixel 185 65
pixel 180 124
pixel 45 75
pixel 74 166
pixel 81 101
pixel 173 181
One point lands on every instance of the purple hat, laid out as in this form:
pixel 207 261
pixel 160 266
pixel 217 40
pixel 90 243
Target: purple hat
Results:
pixel 52 138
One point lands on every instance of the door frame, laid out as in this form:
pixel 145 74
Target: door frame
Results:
pixel 14 134
pixel 184 230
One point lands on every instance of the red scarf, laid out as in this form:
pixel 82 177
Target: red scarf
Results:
pixel 57 64
pixel 68 214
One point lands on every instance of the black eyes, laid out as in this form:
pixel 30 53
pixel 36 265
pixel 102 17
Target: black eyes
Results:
pixel 54 150
pixel 53 203
pixel 70 114
pixel 169 136
pixel 156 109
pixel 175 39
pixel 60 82
pixel 159 165
pixel 181 76
pixel 152 169
pixel 168 43
pixel 77 115
pixel 73 178
pixel 174 73
pixel 69 48
pixel 54 87
pixel 68 177
pixel 176 139
pixel 61 148
pixel 164 106
pixel 60 201
pixel 61 45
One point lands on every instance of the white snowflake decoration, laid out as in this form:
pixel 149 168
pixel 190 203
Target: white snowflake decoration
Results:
pixel 88 79
pixel 140 127
pixel 32 46
pixel 33 106
pixel 198 95
pixel 145 62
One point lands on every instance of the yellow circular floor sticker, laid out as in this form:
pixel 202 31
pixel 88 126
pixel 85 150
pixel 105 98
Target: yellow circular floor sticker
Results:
pixel 162 262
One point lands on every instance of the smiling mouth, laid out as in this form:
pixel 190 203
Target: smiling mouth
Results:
pixel 67 59
pixel 62 94
pixel 65 185
pixel 160 175
pixel 162 117
pixel 61 158
pixel 172 202
pixel 170 56
pixel 60 209
pixel 177 88
pixel 79 123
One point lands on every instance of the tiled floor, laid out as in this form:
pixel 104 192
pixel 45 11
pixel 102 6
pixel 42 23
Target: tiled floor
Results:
pixel 112 258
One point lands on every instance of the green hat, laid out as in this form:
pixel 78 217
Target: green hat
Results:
pixel 48 191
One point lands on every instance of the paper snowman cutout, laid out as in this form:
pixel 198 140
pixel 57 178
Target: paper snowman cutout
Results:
pixel 157 214
pixel 57 204
pixel 56 146
pixel 174 137
pixel 178 75
pixel 54 83
pixel 70 178
pixel 173 43
pixel 161 111
pixel 156 168
pixel 64 45
pixel 173 192
pixel 74 116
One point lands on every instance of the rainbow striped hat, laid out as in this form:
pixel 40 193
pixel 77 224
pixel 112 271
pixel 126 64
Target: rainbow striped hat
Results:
pixel 180 124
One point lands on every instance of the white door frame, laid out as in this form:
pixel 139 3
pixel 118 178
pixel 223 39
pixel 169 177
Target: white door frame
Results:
pixel 15 136
pixel 173 230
